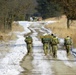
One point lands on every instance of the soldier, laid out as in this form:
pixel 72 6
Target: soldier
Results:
pixel 68 44
pixel 29 41
pixel 51 36
pixel 54 43
pixel 45 40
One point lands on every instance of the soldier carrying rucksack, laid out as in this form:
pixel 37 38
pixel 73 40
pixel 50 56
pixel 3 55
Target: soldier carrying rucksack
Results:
pixel 68 44
pixel 46 41
pixel 29 41
pixel 54 43
pixel 51 37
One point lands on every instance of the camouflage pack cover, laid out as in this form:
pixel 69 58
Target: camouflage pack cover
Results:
pixel 45 38
pixel 68 41
pixel 28 40
pixel 54 41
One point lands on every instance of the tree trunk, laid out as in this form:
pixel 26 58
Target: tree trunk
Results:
pixel 68 26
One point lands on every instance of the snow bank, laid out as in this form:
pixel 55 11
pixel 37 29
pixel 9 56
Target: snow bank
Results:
pixel 10 64
pixel 25 24
pixel 63 56
pixel 11 61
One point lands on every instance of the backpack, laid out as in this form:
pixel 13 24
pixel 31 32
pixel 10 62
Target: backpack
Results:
pixel 54 41
pixel 45 40
pixel 28 40
pixel 68 41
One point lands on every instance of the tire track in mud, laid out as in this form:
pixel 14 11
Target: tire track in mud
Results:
pixel 34 70
pixel 47 65
pixel 70 61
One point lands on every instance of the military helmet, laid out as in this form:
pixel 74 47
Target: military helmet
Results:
pixel 52 34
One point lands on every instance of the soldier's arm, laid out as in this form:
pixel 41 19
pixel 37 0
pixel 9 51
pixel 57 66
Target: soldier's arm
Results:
pixel 71 42
pixel 58 40
pixel 26 39
pixel 42 40
pixel 64 42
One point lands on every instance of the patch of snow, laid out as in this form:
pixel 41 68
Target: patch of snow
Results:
pixel 13 58
pixel 47 30
pixel 63 56
pixel 10 64
pixel 41 66
pixel 25 24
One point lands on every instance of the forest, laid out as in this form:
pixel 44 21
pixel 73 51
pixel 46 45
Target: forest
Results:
pixel 15 10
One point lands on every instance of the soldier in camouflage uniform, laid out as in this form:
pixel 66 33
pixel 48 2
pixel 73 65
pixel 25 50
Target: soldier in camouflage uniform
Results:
pixel 68 44
pixel 45 40
pixel 54 43
pixel 29 41
pixel 51 36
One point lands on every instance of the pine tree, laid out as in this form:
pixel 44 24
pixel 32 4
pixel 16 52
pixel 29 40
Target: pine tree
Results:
pixel 48 8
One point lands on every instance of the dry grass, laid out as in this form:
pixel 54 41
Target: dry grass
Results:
pixel 60 28
pixel 17 27
pixel 6 36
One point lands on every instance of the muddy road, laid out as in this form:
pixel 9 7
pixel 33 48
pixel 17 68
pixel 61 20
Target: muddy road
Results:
pixel 14 61
pixel 39 64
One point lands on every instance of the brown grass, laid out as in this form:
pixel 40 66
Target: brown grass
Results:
pixel 6 36
pixel 60 28
pixel 17 27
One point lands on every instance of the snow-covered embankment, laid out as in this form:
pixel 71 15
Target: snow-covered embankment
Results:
pixel 10 63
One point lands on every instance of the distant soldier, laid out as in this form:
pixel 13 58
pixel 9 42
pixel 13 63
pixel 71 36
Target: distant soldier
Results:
pixel 54 44
pixel 68 44
pixel 29 41
pixel 45 40
pixel 31 18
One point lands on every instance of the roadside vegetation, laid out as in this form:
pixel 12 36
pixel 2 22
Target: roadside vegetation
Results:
pixel 16 10
pixel 60 28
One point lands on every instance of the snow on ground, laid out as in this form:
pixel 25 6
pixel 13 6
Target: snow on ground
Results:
pixel 74 50
pixel 61 54
pixel 25 24
pixel 47 30
pixel 10 63
pixel 41 66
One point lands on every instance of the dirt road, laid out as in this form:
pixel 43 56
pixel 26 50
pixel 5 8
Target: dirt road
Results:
pixel 39 64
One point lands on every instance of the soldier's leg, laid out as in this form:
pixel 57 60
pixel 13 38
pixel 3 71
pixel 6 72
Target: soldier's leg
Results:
pixel 67 49
pixel 45 48
pixel 54 51
pixel 51 51
pixel 29 48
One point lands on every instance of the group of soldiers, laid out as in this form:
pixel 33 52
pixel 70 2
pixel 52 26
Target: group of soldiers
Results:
pixel 50 44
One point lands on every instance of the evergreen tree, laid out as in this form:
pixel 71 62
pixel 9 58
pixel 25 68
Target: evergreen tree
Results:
pixel 68 7
pixel 48 8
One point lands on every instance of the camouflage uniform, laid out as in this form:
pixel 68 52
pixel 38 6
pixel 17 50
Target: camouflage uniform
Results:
pixel 45 41
pixel 68 44
pixel 54 43
pixel 51 37
pixel 28 41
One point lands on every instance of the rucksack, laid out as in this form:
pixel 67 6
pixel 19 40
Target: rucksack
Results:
pixel 28 40
pixel 68 41
pixel 54 41
pixel 45 40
